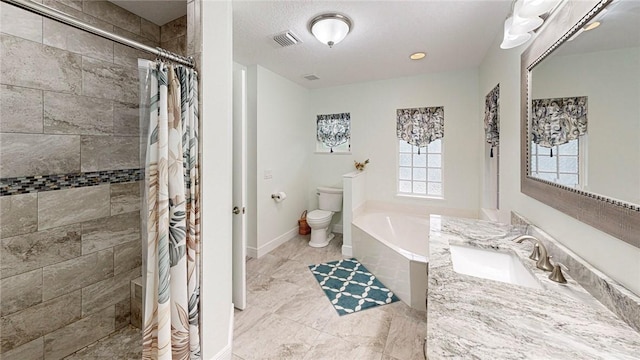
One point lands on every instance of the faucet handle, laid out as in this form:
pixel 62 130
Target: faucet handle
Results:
pixel 543 263
pixel 535 254
pixel 556 274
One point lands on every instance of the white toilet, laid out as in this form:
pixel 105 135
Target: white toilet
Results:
pixel 330 202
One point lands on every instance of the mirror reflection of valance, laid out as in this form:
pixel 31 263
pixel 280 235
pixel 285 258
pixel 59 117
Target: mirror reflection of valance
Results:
pixel 334 129
pixel 558 121
pixel 492 118
pixel 420 126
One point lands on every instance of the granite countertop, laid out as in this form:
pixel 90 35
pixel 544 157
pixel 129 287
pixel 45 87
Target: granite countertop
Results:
pixel 474 318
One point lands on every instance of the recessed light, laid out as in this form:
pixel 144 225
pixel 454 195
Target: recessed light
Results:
pixel 592 26
pixel 417 56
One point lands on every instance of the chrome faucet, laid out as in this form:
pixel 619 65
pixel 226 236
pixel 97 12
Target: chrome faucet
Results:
pixel 539 252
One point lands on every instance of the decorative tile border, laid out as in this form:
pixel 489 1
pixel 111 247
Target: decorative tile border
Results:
pixel 38 183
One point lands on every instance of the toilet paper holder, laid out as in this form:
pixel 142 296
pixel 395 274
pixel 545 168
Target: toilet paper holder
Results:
pixel 279 196
pixel 275 196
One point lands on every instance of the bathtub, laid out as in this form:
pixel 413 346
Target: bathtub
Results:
pixel 393 246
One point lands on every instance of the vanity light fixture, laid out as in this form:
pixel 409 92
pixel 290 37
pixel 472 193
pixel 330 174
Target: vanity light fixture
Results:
pixel 536 7
pixel 509 40
pixel 330 28
pixel 523 20
pixel 417 55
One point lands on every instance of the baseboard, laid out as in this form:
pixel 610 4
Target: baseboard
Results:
pixel 268 247
pixel 337 228
pixel 227 352
pixel 347 251
pixel 252 252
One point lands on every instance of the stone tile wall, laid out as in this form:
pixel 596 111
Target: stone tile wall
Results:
pixel 70 235
pixel 173 36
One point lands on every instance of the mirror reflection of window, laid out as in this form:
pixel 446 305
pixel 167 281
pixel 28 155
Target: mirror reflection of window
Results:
pixel 565 167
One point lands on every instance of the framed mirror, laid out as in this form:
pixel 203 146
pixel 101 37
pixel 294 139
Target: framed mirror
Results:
pixel 580 110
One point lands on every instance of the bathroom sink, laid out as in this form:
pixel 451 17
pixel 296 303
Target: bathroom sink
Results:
pixel 492 265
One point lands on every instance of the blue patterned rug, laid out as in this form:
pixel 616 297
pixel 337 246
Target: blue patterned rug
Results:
pixel 350 286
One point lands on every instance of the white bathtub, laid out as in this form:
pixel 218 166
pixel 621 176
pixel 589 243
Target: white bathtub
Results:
pixel 394 247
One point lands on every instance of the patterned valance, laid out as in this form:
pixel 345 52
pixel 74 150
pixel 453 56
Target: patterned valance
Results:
pixel 420 126
pixel 492 118
pixel 334 129
pixel 558 121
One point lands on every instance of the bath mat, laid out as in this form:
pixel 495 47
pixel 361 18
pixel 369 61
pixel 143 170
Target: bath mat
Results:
pixel 350 286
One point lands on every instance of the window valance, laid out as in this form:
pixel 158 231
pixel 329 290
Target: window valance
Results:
pixel 334 129
pixel 492 118
pixel 420 126
pixel 558 121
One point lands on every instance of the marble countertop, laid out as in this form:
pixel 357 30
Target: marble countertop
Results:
pixel 474 318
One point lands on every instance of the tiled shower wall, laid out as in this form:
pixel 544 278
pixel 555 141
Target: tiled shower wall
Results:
pixel 173 35
pixel 69 161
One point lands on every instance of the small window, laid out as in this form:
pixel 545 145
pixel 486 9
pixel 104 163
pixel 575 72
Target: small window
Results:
pixel 420 169
pixel 562 168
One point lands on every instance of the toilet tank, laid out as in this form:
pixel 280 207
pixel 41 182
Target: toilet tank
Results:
pixel 330 199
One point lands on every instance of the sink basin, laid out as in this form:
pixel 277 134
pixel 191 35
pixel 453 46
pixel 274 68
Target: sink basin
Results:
pixel 493 265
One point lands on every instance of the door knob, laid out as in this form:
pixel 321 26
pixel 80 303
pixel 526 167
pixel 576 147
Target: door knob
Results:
pixel 236 210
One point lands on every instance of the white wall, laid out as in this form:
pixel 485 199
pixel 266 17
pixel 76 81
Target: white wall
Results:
pixel 216 77
pixel 611 81
pixel 373 135
pixel 614 257
pixel 280 124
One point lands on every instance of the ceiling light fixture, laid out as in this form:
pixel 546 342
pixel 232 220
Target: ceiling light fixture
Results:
pixel 595 22
pixel 330 28
pixel 417 56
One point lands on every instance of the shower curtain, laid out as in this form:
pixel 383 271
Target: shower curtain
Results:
pixel 169 103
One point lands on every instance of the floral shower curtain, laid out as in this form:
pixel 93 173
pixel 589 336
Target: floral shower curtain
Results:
pixel 172 193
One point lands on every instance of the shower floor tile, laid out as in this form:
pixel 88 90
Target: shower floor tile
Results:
pixel 124 344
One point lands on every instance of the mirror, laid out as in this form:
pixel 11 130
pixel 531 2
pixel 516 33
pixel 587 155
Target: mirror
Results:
pixel 581 115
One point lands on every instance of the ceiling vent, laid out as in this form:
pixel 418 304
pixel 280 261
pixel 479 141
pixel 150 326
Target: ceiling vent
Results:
pixel 311 77
pixel 286 38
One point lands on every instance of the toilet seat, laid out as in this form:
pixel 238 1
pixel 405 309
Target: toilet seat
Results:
pixel 318 215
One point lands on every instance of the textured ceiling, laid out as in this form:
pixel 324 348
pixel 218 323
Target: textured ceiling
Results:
pixel 158 12
pixel 455 34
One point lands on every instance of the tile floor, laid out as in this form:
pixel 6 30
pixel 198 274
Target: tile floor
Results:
pixel 288 316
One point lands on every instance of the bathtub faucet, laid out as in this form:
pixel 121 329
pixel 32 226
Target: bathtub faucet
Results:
pixel 539 252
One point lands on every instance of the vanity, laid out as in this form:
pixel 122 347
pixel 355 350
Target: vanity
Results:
pixel 471 317
pixel 579 156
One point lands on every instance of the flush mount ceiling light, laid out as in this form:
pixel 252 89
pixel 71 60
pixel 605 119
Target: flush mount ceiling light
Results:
pixel 330 28
pixel 591 26
pixel 417 55
pixel 523 20
pixel 595 22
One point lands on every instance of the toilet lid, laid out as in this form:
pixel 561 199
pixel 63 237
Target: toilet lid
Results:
pixel 319 214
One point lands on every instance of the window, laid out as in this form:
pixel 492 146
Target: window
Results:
pixel 420 170
pixel 563 168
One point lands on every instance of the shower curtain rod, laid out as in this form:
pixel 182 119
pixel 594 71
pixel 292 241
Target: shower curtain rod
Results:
pixel 64 18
